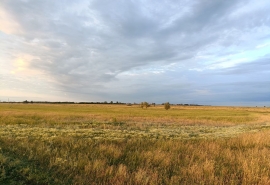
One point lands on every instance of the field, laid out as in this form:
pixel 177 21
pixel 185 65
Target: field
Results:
pixel 119 144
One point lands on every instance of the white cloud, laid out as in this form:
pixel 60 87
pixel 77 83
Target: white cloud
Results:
pixel 262 45
pixel 7 24
pixel 87 48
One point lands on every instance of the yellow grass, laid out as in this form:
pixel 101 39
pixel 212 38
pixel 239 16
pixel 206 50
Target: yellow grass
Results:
pixel 117 144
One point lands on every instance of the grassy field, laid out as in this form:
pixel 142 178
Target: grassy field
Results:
pixel 119 144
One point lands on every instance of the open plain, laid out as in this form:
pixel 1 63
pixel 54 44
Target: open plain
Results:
pixel 120 144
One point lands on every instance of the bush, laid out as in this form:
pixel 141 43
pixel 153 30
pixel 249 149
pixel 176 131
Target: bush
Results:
pixel 167 105
pixel 144 104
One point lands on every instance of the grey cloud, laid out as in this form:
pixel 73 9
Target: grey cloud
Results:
pixel 87 45
pixel 257 67
pixel 204 14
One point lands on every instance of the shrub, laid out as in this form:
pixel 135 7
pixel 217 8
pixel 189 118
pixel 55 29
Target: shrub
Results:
pixel 144 104
pixel 167 105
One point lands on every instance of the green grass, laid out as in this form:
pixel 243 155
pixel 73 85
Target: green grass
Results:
pixel 117 144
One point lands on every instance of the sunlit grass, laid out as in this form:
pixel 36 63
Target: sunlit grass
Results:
pixel 34 113
pixel 117 144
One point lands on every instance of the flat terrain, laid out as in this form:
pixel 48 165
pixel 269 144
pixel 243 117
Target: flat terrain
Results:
pixel 119 144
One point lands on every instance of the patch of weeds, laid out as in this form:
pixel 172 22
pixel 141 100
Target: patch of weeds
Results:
pixel 115 122
pixel 15 170
pixel 193 134
pixel 206 131
pixel 265 127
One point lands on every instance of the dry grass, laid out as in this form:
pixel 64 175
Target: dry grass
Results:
pixel 34 113
pixel 97 144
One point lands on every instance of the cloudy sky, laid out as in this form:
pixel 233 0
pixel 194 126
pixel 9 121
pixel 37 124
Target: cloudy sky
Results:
pixel 210 52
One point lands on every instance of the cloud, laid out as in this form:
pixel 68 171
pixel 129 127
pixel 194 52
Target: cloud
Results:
pixel 254 68
pixel 134 50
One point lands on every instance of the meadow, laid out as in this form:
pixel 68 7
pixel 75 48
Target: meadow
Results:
pixel 119 144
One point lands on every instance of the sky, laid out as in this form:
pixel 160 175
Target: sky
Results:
pixel 208 52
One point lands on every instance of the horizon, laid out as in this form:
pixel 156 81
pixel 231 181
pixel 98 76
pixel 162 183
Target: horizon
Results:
pixel 200 52
pixel 127 103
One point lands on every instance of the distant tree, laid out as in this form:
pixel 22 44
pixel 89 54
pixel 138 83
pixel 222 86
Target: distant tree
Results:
pixel 167 105
pixel 111 102
pixel 144 104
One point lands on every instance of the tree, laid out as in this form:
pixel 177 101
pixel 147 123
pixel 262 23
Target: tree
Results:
pixel 144 104
pixel 167 105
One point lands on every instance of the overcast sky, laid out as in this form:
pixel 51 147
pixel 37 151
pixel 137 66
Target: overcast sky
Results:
pixel 211 52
